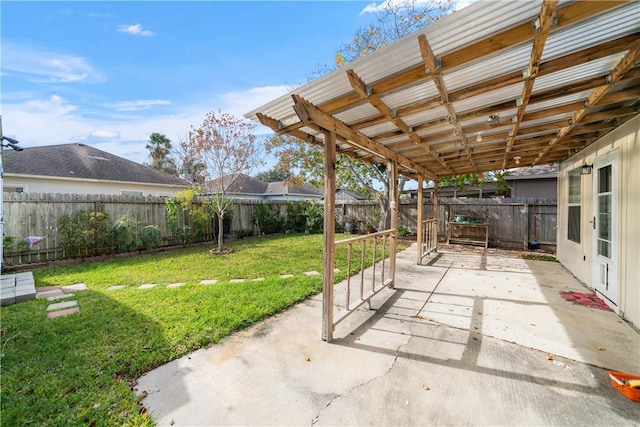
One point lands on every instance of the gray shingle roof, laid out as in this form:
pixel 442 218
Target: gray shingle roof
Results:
pixel 245 184
pixel 83 162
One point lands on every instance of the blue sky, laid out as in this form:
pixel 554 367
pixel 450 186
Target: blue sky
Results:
pixel 109 74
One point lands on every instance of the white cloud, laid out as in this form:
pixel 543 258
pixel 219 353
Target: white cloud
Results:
pixel 104 134
pixel 56 120
pixel 380 7
pixel 135 29
pixel 240 102
pixel 47 67
pixel 137 105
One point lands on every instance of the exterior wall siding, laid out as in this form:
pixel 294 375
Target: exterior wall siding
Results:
pixel 48 185
pixel 579 258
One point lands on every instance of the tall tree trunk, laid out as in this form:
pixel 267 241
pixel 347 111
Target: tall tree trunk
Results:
pixel 220 230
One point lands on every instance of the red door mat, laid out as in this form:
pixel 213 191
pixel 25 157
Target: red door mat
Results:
pixel 590 300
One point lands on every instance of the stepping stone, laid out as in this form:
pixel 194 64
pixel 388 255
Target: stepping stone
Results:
pixel 76 287
pixel 259 279
pixel 311 273
pixel 286 276
pixel 336 270
pixel 115 287
pixel 237 280
pixel 57 297
pixel 147 286
pixel 62 305
pixel 209 282
pixel 175 285
pixel 46 288
pixel 60 313
pixel 50 293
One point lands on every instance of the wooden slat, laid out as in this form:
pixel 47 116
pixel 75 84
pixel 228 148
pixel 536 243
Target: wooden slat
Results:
pixel 546 19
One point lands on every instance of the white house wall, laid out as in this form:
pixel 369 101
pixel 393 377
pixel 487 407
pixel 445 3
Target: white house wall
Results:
pixel 67 186
pixel 578 258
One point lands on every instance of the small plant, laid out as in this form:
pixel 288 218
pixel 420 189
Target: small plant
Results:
pixel 9 244
pixel 402 232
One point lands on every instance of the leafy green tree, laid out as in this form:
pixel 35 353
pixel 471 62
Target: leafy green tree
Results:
pixel 159 147
pixel 226 146
pixel 274 175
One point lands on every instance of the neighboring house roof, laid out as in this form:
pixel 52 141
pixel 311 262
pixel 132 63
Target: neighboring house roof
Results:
pixel 81 161
pixel 245 184
pixel 533 172
pixel 304 190
pixel 344 194
pixel 242 184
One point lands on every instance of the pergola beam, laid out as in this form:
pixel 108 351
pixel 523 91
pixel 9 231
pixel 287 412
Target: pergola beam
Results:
pixel 309 113
pixel 546 19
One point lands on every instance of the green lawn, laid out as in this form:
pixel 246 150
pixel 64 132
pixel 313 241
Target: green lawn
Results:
pixel 79 369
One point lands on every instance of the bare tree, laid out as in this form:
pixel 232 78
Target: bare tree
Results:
pixel 225 145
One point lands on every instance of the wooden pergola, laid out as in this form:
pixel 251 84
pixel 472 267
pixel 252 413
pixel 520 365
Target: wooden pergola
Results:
pixel 494 86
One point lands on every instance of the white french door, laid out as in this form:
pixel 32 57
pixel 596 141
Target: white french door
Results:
pixel 605 269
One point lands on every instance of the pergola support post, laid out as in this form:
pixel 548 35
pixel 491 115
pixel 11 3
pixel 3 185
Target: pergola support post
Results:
pixel 436 213
pixel 329 234
pixel 393 205
pixel 419 212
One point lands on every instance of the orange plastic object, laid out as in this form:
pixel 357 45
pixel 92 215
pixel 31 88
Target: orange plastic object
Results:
pixel 618 379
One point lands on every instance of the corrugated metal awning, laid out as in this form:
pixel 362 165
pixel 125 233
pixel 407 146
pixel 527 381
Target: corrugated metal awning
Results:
pixel 496 85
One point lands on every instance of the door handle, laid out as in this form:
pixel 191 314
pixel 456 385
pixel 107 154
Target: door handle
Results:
pixel 593 223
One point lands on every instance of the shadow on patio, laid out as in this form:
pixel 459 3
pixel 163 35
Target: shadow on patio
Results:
pixel 476 339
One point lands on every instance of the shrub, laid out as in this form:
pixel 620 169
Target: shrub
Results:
pixel 296 219
pixel 150 236
pixel 86 234
pixel 269 219
pixel 131 234
pixel 315 218
pixel 188 216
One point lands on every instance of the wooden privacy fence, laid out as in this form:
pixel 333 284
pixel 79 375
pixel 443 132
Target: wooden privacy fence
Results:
pixel 37 215
pixel 512 223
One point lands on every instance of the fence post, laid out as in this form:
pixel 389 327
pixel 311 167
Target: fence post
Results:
pixel 526 225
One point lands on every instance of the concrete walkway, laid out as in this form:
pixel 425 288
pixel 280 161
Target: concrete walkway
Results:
pixel 471 339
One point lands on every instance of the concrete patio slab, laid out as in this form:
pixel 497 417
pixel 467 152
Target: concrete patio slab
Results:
pixel 465 341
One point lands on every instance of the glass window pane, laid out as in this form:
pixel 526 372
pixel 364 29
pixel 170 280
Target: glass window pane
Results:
pixel 604 248
pixel 604 179
pixel 574 186
pixel 574 224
